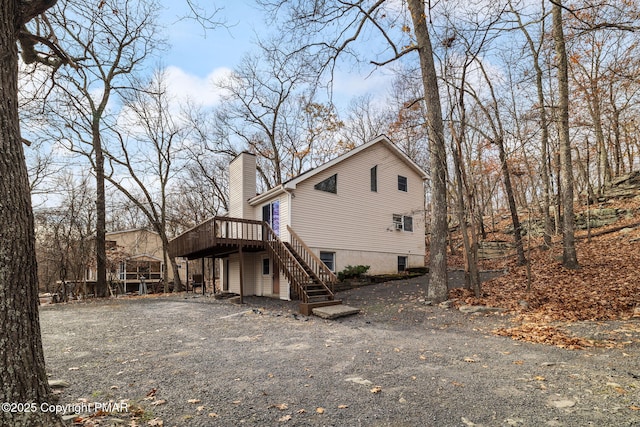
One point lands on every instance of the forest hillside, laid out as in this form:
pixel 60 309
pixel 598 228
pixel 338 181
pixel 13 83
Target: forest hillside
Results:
pixel 544 295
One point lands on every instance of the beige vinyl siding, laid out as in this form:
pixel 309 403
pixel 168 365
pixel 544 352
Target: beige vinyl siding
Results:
pixel 356 218
pixel 141 242
pixel 285 288
pixel 250 282
pixel 138 242
pixel 242 184
pixel 235 196
pixel 283 198
pixel 267 282
pixel 378 262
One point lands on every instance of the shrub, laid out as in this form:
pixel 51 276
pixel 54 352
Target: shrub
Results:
pixel 352 272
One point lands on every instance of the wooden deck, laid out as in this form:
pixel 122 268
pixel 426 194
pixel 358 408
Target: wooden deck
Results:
pixel 219 236
pixel 310 280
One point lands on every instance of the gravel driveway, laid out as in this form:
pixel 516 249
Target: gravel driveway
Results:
pixel 197 361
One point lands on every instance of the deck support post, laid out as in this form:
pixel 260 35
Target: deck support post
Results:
pixel 187 277
pixel 213 274
pixel 241 273
pixel 204 283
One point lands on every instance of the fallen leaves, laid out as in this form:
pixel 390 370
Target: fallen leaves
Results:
pixel 543 334
pixel 603 288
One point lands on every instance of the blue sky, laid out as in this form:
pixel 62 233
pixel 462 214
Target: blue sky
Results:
pixel 197 51
pixel 197 57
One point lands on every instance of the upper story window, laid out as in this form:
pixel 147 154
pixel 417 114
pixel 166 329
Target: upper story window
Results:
pixel 271 215
pixel 403 222
pixel 402 183
pixel 407 222
pixel 330 185
pixel 374 178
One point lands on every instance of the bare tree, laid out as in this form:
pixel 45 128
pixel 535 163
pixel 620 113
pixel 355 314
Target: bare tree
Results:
pixel 363 121
pixel 408 127
pixel 64 238
pixel 543 119
pixel 403 29
pixel 265 95
pixel 497 136
pixel 569 256
pixel 109 43
pixel 145 162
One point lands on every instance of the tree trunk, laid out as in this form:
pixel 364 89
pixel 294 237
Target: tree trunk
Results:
pixel 472 274
pixel 508 188
pixel 170 262
pixel 101 220
pixel 569 256
pixel 596 115
pixel 544 157
pixel 22 368
pixel 438 289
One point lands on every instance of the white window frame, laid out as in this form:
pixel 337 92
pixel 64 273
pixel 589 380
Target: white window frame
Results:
pixel 333 260
pixel 266 258
pixel 405 184
pixel 406 262
pixel 400 222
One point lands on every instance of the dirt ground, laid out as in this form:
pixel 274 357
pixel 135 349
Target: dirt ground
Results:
pixel 186 360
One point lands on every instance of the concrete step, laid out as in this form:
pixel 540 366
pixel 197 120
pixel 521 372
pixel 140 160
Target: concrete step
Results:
pixel 335 311
pixel 307 308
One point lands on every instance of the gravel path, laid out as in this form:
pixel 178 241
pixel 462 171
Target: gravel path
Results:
pixel 401 362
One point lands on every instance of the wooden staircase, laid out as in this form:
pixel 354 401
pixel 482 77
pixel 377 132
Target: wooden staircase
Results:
pixel 311 281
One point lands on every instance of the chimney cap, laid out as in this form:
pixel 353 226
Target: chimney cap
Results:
pixel 242 153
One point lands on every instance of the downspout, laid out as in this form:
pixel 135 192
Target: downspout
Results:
pixel 290 197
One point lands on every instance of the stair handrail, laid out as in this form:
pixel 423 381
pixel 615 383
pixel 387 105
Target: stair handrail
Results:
pixel 286 260
pixel 319 268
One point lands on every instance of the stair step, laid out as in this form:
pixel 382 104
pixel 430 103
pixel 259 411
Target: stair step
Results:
pixel 318 298
pixel 318 293
pixel 307 308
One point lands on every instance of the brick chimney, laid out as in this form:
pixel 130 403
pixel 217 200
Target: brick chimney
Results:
pixel 242 185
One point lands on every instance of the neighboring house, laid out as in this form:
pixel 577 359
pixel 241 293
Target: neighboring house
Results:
pixel 132 254
pixel 365 207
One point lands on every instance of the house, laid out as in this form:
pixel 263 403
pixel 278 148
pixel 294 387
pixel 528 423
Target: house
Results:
pixel 365 207
pixel 132 254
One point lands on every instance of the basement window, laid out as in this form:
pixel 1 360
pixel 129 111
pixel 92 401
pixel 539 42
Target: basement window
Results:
pixel 329 259
pixel 402 263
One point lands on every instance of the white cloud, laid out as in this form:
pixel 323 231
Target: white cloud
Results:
pixel 356 84
pixel 199 90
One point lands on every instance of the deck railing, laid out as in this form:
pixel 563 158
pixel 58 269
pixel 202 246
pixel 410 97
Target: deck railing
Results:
pixel 317 266
pixel 215 231
pixel 292 269
pixel 237 232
